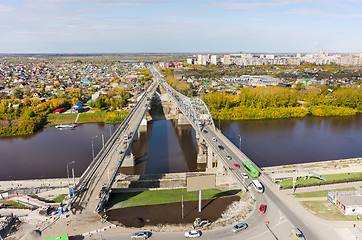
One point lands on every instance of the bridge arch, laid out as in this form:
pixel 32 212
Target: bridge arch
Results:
pixel 198 111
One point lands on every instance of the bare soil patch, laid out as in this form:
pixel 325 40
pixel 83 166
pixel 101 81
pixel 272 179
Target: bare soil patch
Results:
pixel 171 213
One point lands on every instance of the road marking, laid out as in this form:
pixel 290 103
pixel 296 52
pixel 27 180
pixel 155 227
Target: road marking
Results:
pixel 345 234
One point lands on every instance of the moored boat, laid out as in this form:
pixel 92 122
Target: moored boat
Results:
pixel 66 126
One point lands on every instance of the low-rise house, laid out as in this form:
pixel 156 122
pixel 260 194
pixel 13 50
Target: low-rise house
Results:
pixel 348 202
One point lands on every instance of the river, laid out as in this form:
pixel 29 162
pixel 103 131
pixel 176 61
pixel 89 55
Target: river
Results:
pixel 167 148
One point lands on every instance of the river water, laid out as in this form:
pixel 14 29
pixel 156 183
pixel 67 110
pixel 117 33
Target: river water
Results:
pixel 299 140
pixel 165 147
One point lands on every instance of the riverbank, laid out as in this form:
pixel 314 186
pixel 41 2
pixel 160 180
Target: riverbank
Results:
pixel 336 171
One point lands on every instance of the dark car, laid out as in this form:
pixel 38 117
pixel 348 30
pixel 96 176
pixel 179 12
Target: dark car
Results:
pixel 221 147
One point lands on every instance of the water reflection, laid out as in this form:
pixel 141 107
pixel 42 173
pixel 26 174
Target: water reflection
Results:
pixel 165 148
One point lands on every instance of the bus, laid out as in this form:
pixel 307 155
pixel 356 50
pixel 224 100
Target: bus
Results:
pixel 251 169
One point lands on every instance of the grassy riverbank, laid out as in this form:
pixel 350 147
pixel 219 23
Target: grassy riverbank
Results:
pixel 313 181
pixel 113 117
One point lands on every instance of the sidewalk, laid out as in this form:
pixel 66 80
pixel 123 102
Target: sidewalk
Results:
pixel 356 185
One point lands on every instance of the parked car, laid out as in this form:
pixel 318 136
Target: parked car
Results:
pixel 236 165
pixel 238 227
pixel 205 131
pixel 298 234
pixel 214 139
pixel 192 234
pixel 141 235
pixel 262 208
pixel 245 176
pixel 228 157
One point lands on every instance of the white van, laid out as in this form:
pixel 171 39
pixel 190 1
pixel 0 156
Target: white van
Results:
pixel 258 186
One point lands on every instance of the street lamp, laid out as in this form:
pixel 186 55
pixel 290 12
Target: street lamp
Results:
pixel 239 141
pixel 68 172
pixel 93 146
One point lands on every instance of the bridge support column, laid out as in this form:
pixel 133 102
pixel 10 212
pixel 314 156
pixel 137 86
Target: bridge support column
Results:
pixel 143 127
pixel 210 158
pixel 182 120
pixel 201 155
pixel 128 161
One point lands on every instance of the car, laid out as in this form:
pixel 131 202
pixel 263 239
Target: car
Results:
pixel 205 131
pixel 236 165
pixel 220 147
pixel 262 208
pixel 298 234
pixel 245 176
pixel 238 227
pixel 192 234
pixel 141 235
pixel 214 139
pixel 228 157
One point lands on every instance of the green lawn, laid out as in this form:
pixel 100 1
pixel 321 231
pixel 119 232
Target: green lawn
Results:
pixel 331 178
pixel 14 204
pixel 121 200
pixel 63 118
pixel 91 117
pixel 60 198
pixel 323 193
pixel 326 210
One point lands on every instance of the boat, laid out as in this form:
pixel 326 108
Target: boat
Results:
pixel 66 126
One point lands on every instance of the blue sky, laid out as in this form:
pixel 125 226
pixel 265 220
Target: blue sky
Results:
pixel 145 26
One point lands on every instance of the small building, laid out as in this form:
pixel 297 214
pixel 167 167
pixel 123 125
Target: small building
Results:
pixel 77 108
pixel 348 202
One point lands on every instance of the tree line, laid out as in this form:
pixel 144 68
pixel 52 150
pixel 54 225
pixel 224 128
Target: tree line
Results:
pixel 280 102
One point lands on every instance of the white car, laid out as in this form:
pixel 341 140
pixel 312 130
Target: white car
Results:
pixel 214 139
pixel 141 235
pixel 245 176
pixel 192 234
pixel 239 227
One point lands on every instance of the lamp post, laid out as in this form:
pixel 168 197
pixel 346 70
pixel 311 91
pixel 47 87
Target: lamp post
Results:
pixel 93 146
pixel 68 172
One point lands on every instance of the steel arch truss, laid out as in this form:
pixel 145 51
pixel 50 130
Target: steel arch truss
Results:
pixel 197 110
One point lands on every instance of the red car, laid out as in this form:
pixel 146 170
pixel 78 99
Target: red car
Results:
pixel 262 208
pixel 236 165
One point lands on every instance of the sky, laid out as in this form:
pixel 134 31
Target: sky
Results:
pixel 176 26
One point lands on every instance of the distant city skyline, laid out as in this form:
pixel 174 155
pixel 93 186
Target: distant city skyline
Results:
pixel 172 26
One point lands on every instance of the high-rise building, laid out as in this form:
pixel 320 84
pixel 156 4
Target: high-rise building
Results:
pixel 227 59
pixel 213 59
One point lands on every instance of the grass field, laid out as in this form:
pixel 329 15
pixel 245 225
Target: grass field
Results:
pixel 15 204
pixel 331 178
pixel 323 193
pixel 64 118
pixel 326 210
pixel 60 198
pixel 132 199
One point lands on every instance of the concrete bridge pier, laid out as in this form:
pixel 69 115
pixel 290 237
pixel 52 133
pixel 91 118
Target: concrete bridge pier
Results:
pixel 182 120
pixel 128 161
pixel 142 127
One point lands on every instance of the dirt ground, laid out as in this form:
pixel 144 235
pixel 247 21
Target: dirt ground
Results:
pixel 171 213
